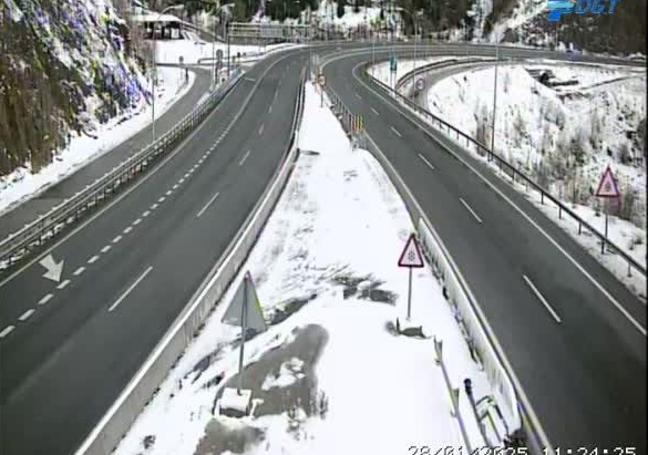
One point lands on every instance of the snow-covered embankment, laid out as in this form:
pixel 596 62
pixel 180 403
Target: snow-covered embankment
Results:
pixel 330 373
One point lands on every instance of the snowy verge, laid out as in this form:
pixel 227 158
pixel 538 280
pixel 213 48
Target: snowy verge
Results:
pixel 21 184
pixel 461 99
pixel 193 51
pixel 324 265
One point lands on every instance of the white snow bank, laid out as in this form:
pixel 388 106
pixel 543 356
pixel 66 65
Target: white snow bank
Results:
pixel 339 217
pixel 21 184
pixel 564 136
pixel 192 51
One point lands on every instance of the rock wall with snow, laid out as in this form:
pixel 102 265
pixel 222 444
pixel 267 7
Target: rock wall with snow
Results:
pixel 65 65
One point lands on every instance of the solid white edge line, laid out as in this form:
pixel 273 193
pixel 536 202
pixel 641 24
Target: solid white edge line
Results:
pixel 418 122
pixel 497 346
pixel 26 315
pixel 130 289
pixel 430 165
pixel 472 212
pixel 540 297
pixel 128 191
pixel 6 331
pixel 207 205
pixel 244 158
pixel 396 131
pixel 94 433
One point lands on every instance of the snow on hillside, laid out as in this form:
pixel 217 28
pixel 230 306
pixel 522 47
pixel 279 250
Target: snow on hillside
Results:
pixel 524 11
pixel 564 133
pixel 22 183
pixel 330 376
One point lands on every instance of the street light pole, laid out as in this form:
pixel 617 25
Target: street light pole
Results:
pixel 495 98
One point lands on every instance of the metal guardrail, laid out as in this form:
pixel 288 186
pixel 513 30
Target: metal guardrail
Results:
pixel 510 170
pixel 109 431
pixel 436 66
pixel 34 235
pixel 470 324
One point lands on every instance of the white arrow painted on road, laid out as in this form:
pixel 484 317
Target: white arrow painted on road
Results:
pixel 54 269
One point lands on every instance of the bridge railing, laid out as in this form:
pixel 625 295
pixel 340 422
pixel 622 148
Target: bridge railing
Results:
pixel 104 438
pixel 18 245
pixel 511 172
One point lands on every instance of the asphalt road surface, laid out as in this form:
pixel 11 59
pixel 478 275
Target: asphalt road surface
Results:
pixel 29 210
pixel 131 269
pixel 582 363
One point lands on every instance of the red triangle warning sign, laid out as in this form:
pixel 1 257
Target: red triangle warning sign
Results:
pixel 608 186
pixel 411 255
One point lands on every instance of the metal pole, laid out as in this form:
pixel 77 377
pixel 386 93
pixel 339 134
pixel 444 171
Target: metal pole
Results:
pixel 214 73
pixel 495 99
pixel 409 295
pixel 154 82
pixel 603 242
pixel 228 48
pixel 243 333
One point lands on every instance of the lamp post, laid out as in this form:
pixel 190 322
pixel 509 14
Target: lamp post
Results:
pixel 165 10
pixel 494 97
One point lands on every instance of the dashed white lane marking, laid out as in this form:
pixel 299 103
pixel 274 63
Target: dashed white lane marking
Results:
pixel 261 129
pixel 175 187
pixel 117 239
pixel 45 299
pixel 154 206
pixel 542 299
pixel 26 315
pixel 128 230
pixel 168 193
pixel 244 158
pixel 146 213
pixel 207 205
pixel 162 199
pixel 396 131
pixel 270 109
pixel 63 284
pixel 181 181
pixel 137 221
pixel 6 331
pixel 358 96
pixel 472 212
pixel 426 161
pixel 130 289
pixel 93 259
pixel 375 111
pixel 105 249
pixel 79 271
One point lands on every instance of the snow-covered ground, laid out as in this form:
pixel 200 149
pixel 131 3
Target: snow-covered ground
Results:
pixel 325 271
pixel 564 137
pixel 193 50
pixel 21 184
pixel 382 72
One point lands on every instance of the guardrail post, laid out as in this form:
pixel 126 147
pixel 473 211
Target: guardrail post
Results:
pixel 471 399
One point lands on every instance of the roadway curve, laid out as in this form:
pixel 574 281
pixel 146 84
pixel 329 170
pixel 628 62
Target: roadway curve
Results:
pixel 132 267
pixel 584 376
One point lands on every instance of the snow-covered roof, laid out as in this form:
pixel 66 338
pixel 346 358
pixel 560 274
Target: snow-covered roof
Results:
pixel 155 17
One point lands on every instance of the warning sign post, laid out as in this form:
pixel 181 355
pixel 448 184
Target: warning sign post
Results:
pixel 607 189
pixel 411 258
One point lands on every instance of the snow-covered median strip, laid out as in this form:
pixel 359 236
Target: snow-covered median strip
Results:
pixel 330 375
pixel 21 184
